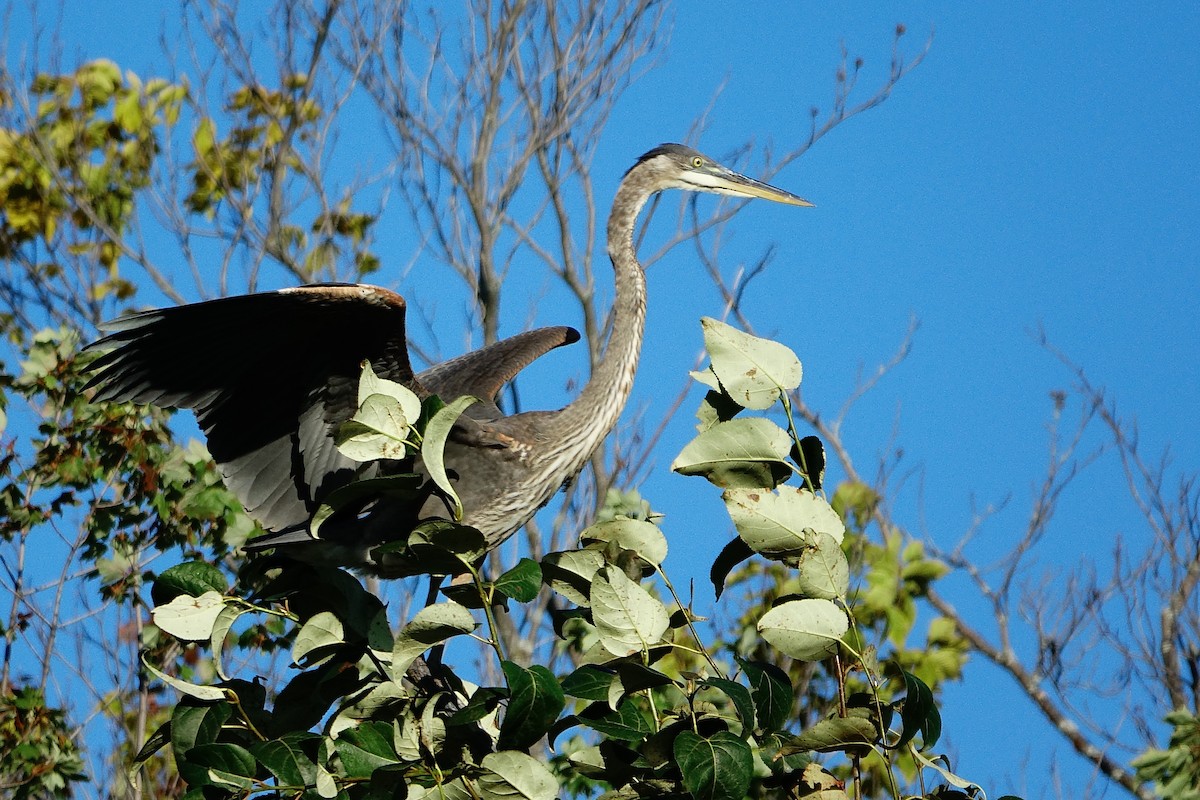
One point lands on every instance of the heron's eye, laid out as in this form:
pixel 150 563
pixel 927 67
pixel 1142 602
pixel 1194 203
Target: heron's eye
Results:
pixel 697 162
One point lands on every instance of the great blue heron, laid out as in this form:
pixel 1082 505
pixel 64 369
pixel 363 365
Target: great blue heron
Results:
pixel 271 376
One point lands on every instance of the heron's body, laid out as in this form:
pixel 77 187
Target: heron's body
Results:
pixel 271 376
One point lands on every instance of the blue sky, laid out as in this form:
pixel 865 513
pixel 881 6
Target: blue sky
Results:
pixel 1040 169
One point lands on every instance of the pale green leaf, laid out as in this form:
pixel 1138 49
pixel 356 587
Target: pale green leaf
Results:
pixel 783 523
pixel 746 453
pixel 807 630
pixel 511 775
pixel 753 371
pixel 220 630
pixel 377 431
pixel 190 618
pixel 322 631
pixel 431 625
pixel 570 573
pixel 824 571
pixel 643 538
pixel 371 384
pixel 433 448
pixel 628 619
pixel 207 693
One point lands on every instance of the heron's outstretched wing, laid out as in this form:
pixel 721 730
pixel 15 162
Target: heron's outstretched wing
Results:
pixel 269 375
pixel 484 372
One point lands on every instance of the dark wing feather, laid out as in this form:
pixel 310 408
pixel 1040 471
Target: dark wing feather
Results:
pixel 484 372
pixel 269 375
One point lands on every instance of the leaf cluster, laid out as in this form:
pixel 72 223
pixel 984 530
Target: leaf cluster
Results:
pixel 374 711
pixel 89 145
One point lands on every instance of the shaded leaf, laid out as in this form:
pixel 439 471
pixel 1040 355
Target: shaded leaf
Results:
pixel 443 547
pixel 730 556
pixel 224 764
pixel 534 703
pixel 588 683
pixel 626 723
pixel 715 768
pixel 319 636
pixel 402 486
pixel 366 748
pixel 643 538
pixel 570 573
pixel 522 582
pixel 772 693
pixel 919 713
pixel 290 758
pixel 191 578
pixel 739 696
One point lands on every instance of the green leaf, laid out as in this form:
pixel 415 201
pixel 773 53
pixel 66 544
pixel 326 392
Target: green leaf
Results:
pixel 627 618
pixel 824 571
pixel 626 723
pixel 191 578
pixel 772 693
pixel 919 713
pixel 190 618
pixel 739 696
pixel 225 764
pixel 746 453
pixel 534 703
pixel 290 758
pixel 588 683
pixel 510 775
pixel 830 735
pixel 402 486
pixel 808 630
pixel 442 547
pixel 431 625
pixel 522 582
pixel 319 637
pixel 366 748
pixel 715 768
pixel 434 446
pixel 753 371
pixel 730 556
pixel 483 703
pixel 194 723
pixel 157 741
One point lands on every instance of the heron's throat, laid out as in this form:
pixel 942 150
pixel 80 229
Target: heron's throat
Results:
pixel 599 405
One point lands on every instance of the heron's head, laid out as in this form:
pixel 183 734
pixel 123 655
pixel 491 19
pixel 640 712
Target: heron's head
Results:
pixel 675 166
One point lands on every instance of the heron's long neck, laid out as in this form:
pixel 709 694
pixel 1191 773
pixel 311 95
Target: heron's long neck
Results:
pixel 593 414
